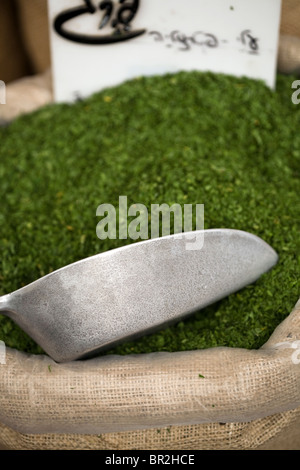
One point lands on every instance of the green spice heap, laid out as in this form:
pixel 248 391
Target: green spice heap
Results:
pixel 196 138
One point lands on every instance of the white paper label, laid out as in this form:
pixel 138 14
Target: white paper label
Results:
pixel 98 44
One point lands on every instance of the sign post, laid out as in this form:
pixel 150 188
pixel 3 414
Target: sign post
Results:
pixel 98 45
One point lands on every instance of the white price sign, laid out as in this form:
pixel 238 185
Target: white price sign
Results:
pixel 97 44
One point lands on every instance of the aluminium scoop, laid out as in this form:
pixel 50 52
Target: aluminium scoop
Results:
pixel 100 301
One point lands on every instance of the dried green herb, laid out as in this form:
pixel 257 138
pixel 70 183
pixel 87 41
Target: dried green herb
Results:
pixel 231 144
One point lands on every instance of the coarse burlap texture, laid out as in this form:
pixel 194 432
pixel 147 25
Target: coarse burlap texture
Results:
pixel 26 95
pixel 289 45
pixel 220 398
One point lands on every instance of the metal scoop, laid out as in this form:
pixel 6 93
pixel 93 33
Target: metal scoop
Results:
pixel 118 295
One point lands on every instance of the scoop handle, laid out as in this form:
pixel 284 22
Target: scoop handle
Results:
pixel 4 305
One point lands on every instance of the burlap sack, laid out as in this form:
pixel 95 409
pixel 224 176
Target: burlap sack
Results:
pixel 26 95
pixel 290 18
pixel 156 401
pixel 289 55
pixel 289 45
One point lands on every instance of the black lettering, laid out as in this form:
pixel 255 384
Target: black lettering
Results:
pixel 125 15
pixel 108 7
pixel 252 43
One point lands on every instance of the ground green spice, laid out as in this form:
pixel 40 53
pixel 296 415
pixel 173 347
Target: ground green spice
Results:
pixel 229 143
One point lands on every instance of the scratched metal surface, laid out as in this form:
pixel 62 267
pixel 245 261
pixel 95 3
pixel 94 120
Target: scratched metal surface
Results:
pixel 121 294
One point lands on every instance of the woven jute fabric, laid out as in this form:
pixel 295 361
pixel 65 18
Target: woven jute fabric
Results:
pixel 218 398
pixel 289 45
pixel 26 95
pixel 290 18
pixel 280 431
pixel 289 54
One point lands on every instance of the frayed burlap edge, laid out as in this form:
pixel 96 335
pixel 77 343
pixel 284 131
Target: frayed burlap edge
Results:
pixel 26 95
pixel 113 398
pixel 216 436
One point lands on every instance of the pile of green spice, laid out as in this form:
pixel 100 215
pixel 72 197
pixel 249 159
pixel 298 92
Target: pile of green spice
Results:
pixel 197 138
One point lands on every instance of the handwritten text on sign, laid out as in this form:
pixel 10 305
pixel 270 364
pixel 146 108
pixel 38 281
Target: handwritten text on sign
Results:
pixel 100 44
